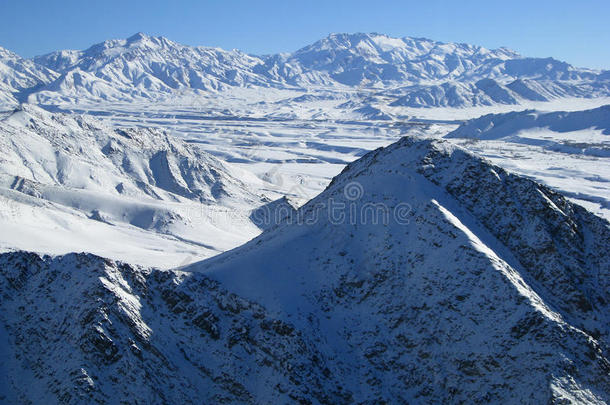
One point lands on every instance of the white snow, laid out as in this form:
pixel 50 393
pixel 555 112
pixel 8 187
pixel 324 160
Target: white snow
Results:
pixel 159 154
pixel 71 183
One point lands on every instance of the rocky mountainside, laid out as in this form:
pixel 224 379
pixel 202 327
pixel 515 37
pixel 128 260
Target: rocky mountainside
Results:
pixel 421 274
pixel 425 270
pixel 82 329
pixel 419 72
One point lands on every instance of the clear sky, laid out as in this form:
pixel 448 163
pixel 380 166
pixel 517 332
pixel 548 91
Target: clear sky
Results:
pixel 575 31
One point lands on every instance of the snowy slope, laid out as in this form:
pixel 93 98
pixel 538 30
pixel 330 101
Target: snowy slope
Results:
pixel 488 92
pixel 72 183
pixel 19 75
pixel 495 126
pixel 479 286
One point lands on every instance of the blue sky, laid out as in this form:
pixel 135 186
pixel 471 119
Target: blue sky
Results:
pixel 575 31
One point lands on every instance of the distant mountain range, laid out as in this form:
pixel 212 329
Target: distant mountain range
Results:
pixel 410 72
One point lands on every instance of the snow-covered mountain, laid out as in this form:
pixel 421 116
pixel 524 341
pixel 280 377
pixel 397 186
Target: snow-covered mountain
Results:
pixel 71 182
pixel 427 274
pixel 144 66
pixel 352 59
pixel 419 72
pixel 19 77
pixel 421 274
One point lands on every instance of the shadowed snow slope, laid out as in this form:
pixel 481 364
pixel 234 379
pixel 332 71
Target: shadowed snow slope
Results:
pixel 421 274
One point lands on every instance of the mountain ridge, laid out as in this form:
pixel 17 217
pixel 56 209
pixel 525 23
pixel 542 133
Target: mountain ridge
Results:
pixel 497 200
pixel 144 67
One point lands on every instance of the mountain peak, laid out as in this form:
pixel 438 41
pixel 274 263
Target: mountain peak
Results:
pixel 8 54
pixel 437 236
pixel 139 36
pixel 142 39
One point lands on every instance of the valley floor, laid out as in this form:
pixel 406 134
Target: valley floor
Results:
pixel 297 158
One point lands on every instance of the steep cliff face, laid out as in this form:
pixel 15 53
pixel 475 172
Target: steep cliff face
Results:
pixel 421 274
